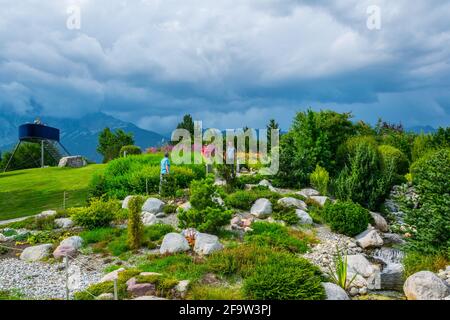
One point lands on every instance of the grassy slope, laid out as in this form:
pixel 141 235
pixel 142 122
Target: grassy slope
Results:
pixel 28 192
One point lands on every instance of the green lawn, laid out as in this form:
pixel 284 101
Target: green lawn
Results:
pixel 28 192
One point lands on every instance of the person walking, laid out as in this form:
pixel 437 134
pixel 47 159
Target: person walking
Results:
pixel 165 170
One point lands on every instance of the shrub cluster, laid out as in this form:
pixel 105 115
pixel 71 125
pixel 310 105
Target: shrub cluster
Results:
pixel 98 214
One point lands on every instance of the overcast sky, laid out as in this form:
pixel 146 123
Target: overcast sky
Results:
pixel 229 63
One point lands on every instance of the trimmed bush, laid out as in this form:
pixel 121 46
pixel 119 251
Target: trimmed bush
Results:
pixel 130 150
pixel 285 277
pixel 208 220
pixel 394 155
pixel 346 217
pixel 275 235
pixel 135 225
pixel 99 213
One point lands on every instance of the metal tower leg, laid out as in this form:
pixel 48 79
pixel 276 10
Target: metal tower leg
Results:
pixel 12 156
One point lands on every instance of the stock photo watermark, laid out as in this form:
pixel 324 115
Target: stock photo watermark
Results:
pixel 236 146
pixel 73 21
pixel 374 17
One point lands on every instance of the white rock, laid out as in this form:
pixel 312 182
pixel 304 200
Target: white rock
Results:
pixel 112 275
pixel 173 243
pixel 425 285
pixel 262 208
pixel 126 201
pixel 265 183
pixel 185 207
pixel 206 244
pixel 358 264
pixel 321 200
pixel 369 239
pixel 308 192
pixel 292 203
pixel 149 298
pixel 75 242
pixel 72 162
pixel 304 217
pixel 380 222
pixel 334 292
pixel 64 223
pixel 149 219
pixel 3 238
pixel 182 286
pixel 153 205
pixel 36 253
pixel 105 296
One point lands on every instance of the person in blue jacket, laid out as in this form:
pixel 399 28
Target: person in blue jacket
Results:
pixel 165 170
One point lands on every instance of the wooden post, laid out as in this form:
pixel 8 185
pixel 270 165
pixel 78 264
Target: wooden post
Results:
pixel 42 153
pixel 146 186
pixel 64 201
pixel 67 277
pixel 116 296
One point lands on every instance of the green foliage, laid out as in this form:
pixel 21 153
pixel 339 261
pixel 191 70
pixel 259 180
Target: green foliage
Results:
pixel 27 156
pixel 244 199
pixel 110 143
pixel 11 295
pixel 135 225
pixel 46 237
pixel 422 144
pixel 285 214
pixel 225 172
pixel 140 174
pixel 319 179
pixel 157 231
pixel 187 124
pixel 202 193
pixel 179 266
pixel 208 220
pixel 130 150
pixel 277 236
pixel 97 289
pixel 170 208
pixel 209 292
pixel 100 235
pixel 416 261
pixel 364 180
pixel 391 154
pixel 346 217
pixel 401 140
pixel 431 177
pixel 98 214
pixel 285 277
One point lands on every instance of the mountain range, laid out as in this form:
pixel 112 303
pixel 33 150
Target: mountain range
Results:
pixel 79 136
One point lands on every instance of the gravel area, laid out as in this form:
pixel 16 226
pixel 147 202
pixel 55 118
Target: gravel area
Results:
pixel 323 254
pixel 40 280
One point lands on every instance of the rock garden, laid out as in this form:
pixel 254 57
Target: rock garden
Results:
pixel 329 234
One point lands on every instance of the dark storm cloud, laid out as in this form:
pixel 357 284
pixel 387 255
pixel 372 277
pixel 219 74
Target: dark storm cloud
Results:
pixel 229 63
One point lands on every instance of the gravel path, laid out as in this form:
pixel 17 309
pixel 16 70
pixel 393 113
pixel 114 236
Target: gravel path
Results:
pixel 40 280
pixel 323 254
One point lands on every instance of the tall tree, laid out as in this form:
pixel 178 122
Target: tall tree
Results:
pixel 110 143
pixel 273 125
pixel 188 124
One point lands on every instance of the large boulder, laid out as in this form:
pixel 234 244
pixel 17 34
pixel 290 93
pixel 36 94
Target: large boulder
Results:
pixel 173 243
pixel 425 285
pixel 46 214
pixel 64 251
pixel 358 264
pixel 153 205
pixel 308 192
pixel 74 242
pixel 334 292
pixel 72 162
pixel 292 203
pixel 64 223
pixel 206 244
pixel 112 275
pixel 149 219
pixel 36 253
pixel 262 208
pixel 304 217
pixel 369 239
pixel 321 200
pixel 380 222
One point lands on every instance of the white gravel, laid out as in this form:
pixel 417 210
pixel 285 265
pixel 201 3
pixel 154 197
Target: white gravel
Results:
pixel 40 280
